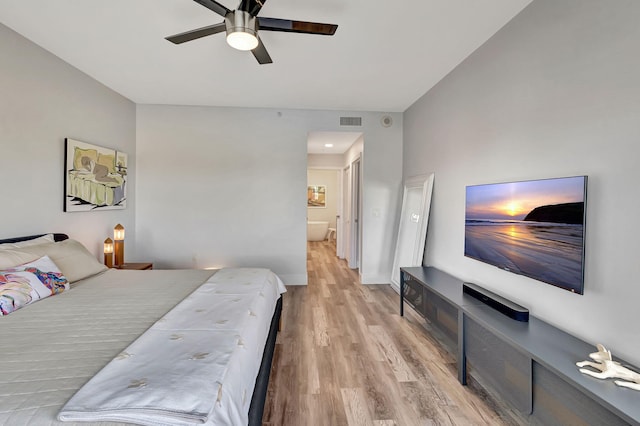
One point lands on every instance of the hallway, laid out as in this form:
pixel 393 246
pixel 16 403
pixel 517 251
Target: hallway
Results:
pixel 345 357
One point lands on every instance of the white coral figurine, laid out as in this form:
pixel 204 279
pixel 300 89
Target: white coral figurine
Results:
pixel 608 368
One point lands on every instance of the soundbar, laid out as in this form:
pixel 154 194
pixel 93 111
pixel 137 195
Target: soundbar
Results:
pixel 499 303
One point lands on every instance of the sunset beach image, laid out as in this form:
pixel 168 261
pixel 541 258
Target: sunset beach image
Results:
pixel 531 228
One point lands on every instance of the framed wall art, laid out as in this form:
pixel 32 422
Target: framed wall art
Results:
pixel 95 177
pixel 316 196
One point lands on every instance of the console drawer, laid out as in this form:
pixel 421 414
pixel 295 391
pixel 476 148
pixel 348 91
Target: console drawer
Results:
pixel 444 317
pixel 414 295
pixel 556 403
pixel 499 365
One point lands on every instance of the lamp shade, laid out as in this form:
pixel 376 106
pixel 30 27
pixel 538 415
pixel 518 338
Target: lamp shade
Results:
pixel 108 252
pixel 118 232
pixel 108 246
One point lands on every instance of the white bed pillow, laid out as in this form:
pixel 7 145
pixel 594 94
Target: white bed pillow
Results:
pixel 12 258
pixel 28 283
pixel 73 259
pixel 34 242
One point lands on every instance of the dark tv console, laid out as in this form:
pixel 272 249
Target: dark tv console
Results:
pixel 529 365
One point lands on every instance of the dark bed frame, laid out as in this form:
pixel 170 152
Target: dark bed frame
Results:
pixel 259 397
pixel 56 237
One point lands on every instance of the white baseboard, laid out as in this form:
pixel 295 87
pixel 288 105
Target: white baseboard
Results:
pixel 293 279
pixel 374 279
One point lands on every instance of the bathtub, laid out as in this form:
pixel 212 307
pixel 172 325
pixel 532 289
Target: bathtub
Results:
pixel 316 230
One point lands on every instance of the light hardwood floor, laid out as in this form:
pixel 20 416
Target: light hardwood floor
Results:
pixel 344 356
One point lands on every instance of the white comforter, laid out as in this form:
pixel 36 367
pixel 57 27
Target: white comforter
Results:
pixel 195 365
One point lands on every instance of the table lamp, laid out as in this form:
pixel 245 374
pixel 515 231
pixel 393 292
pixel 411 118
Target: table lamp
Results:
pixel 118 237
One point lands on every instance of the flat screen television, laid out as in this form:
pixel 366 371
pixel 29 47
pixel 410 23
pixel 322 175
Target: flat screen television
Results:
pixel 533 228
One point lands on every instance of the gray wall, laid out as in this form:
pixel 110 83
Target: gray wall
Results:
pixel 217 186
pixel 43 100
pixel 227 187
pixel 555 93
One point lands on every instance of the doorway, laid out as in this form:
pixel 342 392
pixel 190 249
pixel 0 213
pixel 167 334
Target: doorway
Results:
pixel 339 156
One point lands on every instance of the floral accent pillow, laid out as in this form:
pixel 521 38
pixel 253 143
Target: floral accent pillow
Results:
pixel 25 284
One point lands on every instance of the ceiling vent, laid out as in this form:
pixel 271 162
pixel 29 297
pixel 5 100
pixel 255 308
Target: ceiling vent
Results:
pixel 351 121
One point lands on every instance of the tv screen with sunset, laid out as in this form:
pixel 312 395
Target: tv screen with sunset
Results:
pixel 532 228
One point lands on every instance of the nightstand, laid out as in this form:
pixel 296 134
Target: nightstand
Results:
pixel 135 266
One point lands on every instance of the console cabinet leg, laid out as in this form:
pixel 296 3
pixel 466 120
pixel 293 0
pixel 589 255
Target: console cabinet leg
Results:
pixel 402 293
pixel 462 359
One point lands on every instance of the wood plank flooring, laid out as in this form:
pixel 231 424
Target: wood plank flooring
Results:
pixel 344 356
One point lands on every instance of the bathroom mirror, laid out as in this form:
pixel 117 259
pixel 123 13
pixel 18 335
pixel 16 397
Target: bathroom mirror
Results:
pixel 412 230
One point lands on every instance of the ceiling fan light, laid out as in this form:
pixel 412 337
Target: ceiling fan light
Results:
pixel 242 40
pixel 242 31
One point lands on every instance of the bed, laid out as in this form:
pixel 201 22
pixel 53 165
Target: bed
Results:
pixel 56 348
pixel 87 187
pixel 96 177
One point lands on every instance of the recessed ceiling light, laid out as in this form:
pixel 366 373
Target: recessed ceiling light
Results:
pixel 328 145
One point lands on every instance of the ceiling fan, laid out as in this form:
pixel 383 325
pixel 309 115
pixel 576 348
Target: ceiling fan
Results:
pixel 242 27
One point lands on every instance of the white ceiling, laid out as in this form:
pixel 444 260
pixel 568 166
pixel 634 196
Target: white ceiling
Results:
pixel 341 142
pixel 383 57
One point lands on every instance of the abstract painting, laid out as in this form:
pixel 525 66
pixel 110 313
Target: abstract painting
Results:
pixel 95 177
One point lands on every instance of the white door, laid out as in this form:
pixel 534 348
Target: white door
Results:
pixel 356 226
pixel 345 232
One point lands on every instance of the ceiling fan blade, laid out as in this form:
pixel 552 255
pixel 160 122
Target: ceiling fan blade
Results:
pixel 261 54
pixel 215 6
pixel 289 26
pixel 253 7
pixel 198 33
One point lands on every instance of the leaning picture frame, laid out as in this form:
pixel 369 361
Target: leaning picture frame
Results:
pixel 412 228
pixel 95 177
